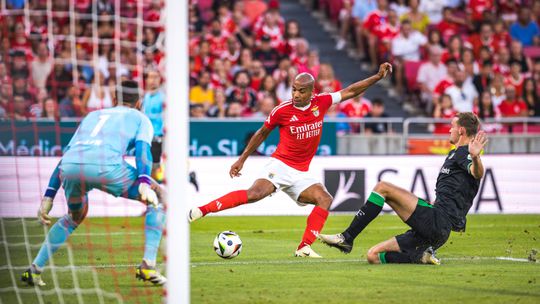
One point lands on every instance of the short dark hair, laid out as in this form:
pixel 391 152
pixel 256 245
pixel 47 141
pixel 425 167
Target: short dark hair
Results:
pixel 514 61
pixel 487 62
pixel 469 121
pixel 128 92
pixel 378 102
pixel 451 61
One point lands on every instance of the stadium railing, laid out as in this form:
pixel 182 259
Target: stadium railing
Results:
pixel 405 135
pixel 506 135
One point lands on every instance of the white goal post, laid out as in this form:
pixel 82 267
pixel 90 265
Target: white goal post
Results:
pixel 176 149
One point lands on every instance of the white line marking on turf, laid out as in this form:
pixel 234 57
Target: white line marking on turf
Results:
pixel 297 261
pixel 303 261
pixel 512 259
pixel 254 231
pixel 252 262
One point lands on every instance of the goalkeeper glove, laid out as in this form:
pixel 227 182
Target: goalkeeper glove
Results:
pixel 148 195
pixel 44 209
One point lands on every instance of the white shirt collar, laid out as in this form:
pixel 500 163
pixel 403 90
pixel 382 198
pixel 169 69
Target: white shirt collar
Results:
pixel 303 108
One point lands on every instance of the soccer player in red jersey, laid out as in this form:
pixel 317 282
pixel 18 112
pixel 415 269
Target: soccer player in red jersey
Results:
pixel 300 122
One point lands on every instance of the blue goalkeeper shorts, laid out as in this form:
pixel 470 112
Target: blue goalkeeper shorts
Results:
pixel 79 179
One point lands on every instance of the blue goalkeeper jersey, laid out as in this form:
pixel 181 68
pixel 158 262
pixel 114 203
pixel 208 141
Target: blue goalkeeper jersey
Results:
pixel 105 136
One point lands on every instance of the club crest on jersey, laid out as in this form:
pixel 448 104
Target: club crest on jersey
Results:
pixel 315 111
pixel 271 175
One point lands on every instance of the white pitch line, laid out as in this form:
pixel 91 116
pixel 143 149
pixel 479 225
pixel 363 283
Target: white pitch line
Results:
pixel 512 259
pixel 271 262
pixel 254 231
pixel 297 261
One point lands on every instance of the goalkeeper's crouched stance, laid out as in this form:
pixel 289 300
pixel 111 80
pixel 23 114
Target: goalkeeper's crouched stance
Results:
pixel 94 160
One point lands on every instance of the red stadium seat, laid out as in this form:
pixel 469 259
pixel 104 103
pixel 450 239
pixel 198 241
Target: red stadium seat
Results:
pixel 532 51
pixel 411 71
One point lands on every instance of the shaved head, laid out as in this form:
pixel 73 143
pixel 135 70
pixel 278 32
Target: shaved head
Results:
pixel 304 79
pixel 302 89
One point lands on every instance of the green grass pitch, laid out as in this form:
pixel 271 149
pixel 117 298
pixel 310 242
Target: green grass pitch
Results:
pixel 266 271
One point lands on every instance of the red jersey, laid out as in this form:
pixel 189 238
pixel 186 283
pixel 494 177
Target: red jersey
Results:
pixel 441 87
pixel 325 86
pixel 503 69
pixel 447 56
pixel 444 128
pixel 447 29
pixel 511 109
pixel 299 130
pixel 352 108
pixel 218 44
pixel 477 43
pixel 386 32
pixel 502 39
pixel 516 83
pixel 477 7
pixel 374 19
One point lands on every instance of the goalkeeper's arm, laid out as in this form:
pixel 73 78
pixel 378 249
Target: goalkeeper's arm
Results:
pixel 143 160
pixel 54 183
pixel 50 193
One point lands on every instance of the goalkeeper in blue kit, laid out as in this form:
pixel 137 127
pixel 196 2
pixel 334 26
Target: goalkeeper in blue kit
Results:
pixel 94 159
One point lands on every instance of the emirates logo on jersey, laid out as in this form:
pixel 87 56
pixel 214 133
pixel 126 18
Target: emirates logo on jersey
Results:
pixel 315 111
pixel 306 130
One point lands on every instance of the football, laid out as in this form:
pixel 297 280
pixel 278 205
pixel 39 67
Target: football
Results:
pixel 227 244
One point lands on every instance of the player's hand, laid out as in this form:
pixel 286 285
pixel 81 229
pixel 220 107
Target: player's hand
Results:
pixel 44 209
pixel 477 144
pixel 384 69
pixel 148 195
pixel 236 168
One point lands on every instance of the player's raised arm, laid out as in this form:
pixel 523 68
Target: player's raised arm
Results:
pixel 256 140
pixel 359 87
pixel 475 147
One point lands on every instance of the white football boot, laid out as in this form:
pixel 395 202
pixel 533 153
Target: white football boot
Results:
pixel 194 214
pixel 336 240
pixel 306 252
pixel 428 257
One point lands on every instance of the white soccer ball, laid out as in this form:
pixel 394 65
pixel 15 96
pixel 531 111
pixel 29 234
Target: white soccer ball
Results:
pixel 227 244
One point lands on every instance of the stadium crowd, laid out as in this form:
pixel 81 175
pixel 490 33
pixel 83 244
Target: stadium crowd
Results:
pixel 452 55
pixel 449 56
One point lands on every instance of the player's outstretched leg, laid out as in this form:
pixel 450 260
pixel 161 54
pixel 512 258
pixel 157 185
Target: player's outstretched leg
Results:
pixel 229 200
pixel 344 241
pixel 57 236
pixel 260 189
pixel 317 195
pixel 153 228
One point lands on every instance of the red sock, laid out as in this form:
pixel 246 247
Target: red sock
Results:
pixel 315 223
pixel 230 200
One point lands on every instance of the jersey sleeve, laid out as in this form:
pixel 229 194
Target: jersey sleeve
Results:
pixel 145 132
pixel 326 100
pixel 273 120
pixel 464 159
